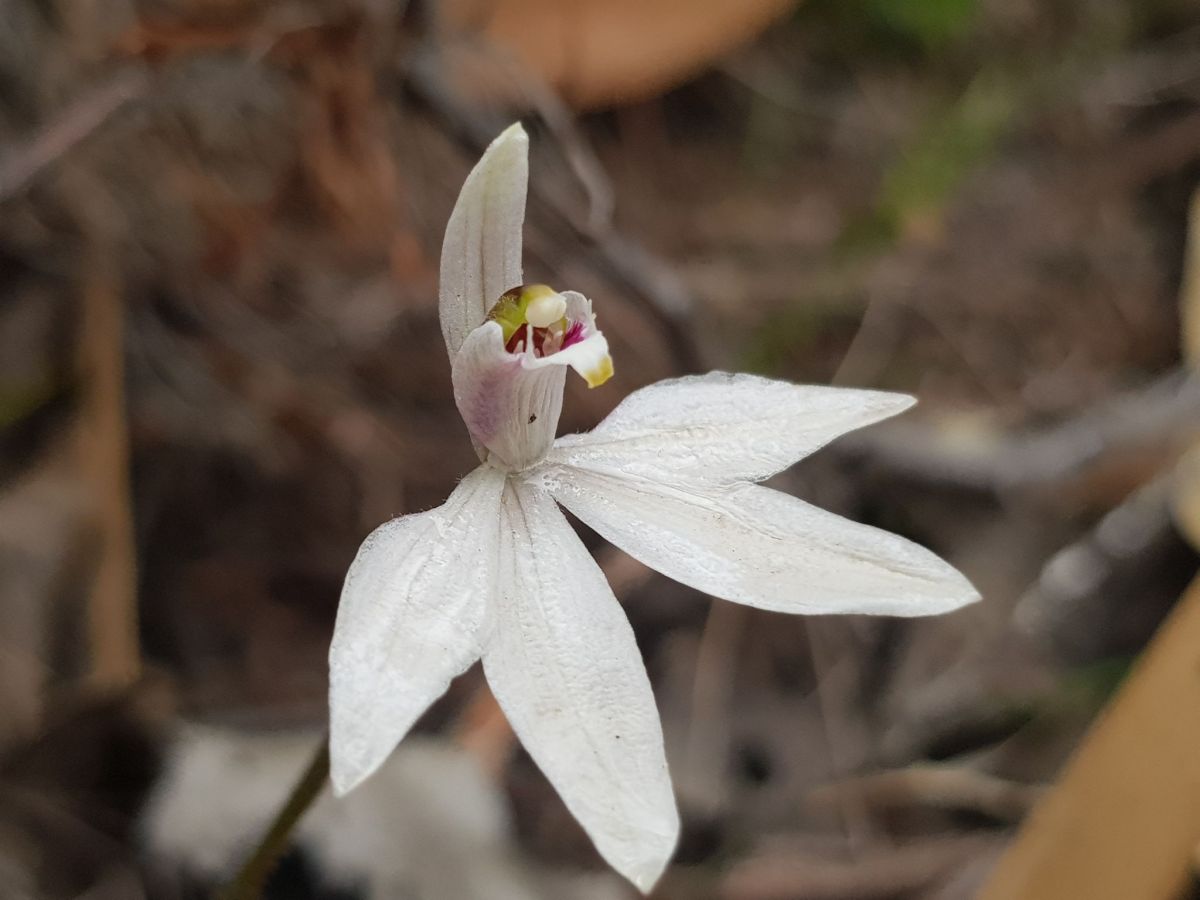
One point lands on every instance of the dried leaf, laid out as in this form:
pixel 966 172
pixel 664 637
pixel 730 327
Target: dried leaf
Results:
pixel 600 52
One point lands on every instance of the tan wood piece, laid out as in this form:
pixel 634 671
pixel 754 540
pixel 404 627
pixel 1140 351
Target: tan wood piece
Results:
pixel 1124 819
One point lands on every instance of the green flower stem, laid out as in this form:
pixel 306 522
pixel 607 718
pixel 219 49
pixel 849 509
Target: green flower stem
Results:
pixel 252 876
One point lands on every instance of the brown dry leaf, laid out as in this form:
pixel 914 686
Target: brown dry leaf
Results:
pixel 162 41
pixel 600 52
pixel 1185 501
pixel 344 147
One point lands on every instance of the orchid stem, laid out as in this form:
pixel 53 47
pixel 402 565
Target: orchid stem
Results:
pixel 252 876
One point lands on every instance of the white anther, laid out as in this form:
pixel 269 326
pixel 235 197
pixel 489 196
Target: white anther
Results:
pixel 544 311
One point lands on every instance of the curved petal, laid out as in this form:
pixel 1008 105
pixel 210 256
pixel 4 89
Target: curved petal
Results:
pixel 412 616
pixel 481 253
pixel 761 547
pixel 720 428
pixel 510 408
pixel 564 666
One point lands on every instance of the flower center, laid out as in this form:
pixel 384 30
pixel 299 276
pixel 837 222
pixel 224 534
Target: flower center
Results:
pixel 534 319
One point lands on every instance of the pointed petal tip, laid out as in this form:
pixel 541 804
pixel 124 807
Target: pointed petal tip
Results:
pixel 888 403
pixel 514 132
pixel 646 879
pixel 944 590
pixel 645 873
pixel 342 778
pixel 969 594
pixel 950 593
pixel 481 251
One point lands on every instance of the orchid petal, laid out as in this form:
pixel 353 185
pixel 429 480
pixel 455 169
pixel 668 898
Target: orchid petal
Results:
pixel 760 547
pixel 510 407
pixel 720 428
pixel 563 664
pixel 481 253
pixel 412 616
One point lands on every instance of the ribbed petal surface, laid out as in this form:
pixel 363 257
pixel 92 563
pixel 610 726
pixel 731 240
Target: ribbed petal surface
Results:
pixel 564 666
pixel 413 615
pixel 722 428
pixel 760 547
pixel 481 252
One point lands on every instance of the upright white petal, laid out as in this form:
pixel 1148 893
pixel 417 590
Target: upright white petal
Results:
pixel 481 253
pixel 722 428
pixel 564 666
pixel 760 547
pixel 413 615
pixel 510 407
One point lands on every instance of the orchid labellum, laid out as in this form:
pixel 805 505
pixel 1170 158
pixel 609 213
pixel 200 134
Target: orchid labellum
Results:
pixel 498 573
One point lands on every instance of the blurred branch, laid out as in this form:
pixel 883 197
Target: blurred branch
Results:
pixel 839 718
pixel 20 165
pixel 939 787
pixel 103 446
pixel 1077 586
pixel 1100 595
pixel 706 750
pixel 560 120
pixel 1169 67
pixel 1164 412
pixel 880 872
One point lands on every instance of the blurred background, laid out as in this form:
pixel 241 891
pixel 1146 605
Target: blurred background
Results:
pixel 220 368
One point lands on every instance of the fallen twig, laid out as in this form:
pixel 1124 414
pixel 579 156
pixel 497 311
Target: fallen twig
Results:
pixel 878 873
pixel 1077 586
pixel 21 165
pixel 1164 413
pixel 940 787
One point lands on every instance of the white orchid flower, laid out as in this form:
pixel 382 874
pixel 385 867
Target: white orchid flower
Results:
pixel 497 572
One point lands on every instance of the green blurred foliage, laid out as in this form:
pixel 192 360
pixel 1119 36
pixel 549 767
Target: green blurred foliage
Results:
pixel 929 24
pixel 793 339
pixel 915 31
pixel 1089 687
pixel 20 399
pixel 950 143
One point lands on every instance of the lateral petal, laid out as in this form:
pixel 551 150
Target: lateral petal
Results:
pixel 721 428
pixel 481 252
pixel 761 547
pixel 564 666
pixel 413 615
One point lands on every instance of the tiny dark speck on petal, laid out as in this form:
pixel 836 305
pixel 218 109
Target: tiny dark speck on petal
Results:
pixel 532 418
